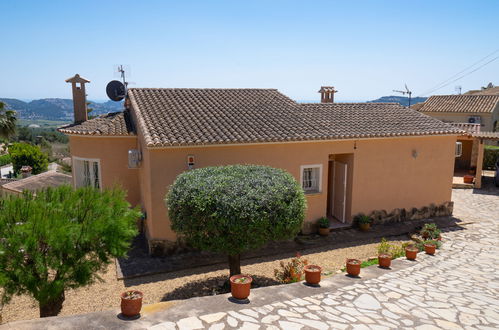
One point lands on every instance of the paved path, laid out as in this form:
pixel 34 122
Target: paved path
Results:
pixel 456 289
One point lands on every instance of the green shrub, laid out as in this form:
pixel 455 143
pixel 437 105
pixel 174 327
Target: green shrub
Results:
pixel 59 239
pixel 236 208
pixel 490 157
pixel 395 250
pixel 362 218
pixel 323 222
pixel 430 231
pixel 5 159
pixel 292 271
pixel 26 154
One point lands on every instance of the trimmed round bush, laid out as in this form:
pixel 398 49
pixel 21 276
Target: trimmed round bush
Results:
pixel 232 209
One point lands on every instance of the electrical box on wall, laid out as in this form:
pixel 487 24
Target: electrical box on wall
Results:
pixel 134 158
pixel 190 162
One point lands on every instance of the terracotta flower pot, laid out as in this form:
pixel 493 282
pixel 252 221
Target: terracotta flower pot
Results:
pixel 430 249
pixel 353 267
pixel 468 178
pixel 240 286
pixel 312 274
pixel 364 226
pixel 411 253
pixel 131 303
pixel 384 260
pixel 324 231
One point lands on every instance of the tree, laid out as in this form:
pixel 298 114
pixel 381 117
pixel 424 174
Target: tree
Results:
pixel 26 154
pixel 232 209
pixel 59 239
pixel 7 122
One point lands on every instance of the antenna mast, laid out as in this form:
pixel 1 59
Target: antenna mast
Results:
pixel 407 91
pixel 121 70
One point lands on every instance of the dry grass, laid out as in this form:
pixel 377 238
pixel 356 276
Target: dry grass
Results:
pixel 105 295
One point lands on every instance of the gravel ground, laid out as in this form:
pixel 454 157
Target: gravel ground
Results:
pixel 182 284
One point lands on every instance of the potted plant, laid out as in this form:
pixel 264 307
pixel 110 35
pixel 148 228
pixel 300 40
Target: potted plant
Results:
pixel 411 252
pixel 353 267
pixel 430 231
pixel 364 222
pixel 468 178
pixel 384 256
pixel 131 303
pixel 323 224
pixel 312 274
pixel 430 247
pixel 240 286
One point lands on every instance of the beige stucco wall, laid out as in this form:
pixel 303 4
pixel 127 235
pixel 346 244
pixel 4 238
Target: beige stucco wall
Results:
pixel 385 174
pixel 112 153
pixel 487 122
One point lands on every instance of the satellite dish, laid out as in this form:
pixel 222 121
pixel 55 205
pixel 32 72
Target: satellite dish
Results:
pixel 116 90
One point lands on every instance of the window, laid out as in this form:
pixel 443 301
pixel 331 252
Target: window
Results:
pixel 311 178
pixel 86 172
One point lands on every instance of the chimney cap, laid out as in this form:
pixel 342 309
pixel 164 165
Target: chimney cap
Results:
pixel 77 79
pixel 327 89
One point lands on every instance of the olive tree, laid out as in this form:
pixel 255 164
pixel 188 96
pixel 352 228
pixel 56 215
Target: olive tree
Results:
pixel 232 209
pixel 60 239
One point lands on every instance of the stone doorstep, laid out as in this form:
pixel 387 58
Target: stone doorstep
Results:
pixel 443 222
pixel 175 310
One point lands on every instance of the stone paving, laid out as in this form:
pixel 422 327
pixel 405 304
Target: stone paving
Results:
pixel 458 288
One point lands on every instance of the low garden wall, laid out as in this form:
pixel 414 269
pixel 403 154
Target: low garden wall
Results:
pixel 399 215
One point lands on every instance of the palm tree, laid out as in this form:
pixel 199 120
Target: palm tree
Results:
pixel 7 122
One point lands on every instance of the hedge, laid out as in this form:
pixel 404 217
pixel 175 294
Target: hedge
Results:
pixel 490 157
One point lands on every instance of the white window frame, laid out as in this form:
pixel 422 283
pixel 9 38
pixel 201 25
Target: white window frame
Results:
pixel 91 160
pixel 319 182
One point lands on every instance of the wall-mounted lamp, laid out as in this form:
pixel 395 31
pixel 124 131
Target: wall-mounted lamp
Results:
pixel 415 153
pixel 354 145
pixel 190 162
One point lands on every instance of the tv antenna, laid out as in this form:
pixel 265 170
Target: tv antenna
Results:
pixel 407 91
pixel 115 89
pixel 458 89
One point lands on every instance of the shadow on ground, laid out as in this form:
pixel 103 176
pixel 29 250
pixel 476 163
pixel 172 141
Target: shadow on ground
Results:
pixel 152 269
pixel 488 187
pixel 212 286
pixel 139 264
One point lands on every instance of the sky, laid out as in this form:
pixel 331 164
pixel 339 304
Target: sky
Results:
pixel 365 49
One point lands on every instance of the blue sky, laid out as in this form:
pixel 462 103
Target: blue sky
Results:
pixel 364 48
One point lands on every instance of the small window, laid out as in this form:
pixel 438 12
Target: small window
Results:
pixel 86 172
pixel 459 149
pixel 311 177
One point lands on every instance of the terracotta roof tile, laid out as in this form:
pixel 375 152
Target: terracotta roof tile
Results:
pixel 37 182
pixel 182 117
pixel 460 103
pixel 367 120
pixel 111 124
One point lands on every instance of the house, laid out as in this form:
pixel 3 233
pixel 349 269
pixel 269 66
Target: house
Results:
pixel 478 115
pixel 383 159
pixel 467 108
pixel 34 183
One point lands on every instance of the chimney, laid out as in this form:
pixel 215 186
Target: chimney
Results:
pixel 26 171
pixel 79 98
pixel 327 94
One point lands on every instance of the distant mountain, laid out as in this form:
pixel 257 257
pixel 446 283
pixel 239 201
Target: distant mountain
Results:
pixel 56 109
pixel 402 100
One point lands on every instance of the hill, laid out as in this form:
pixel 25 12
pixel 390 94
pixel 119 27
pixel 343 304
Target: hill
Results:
pixel 402 100
pixel 56 109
